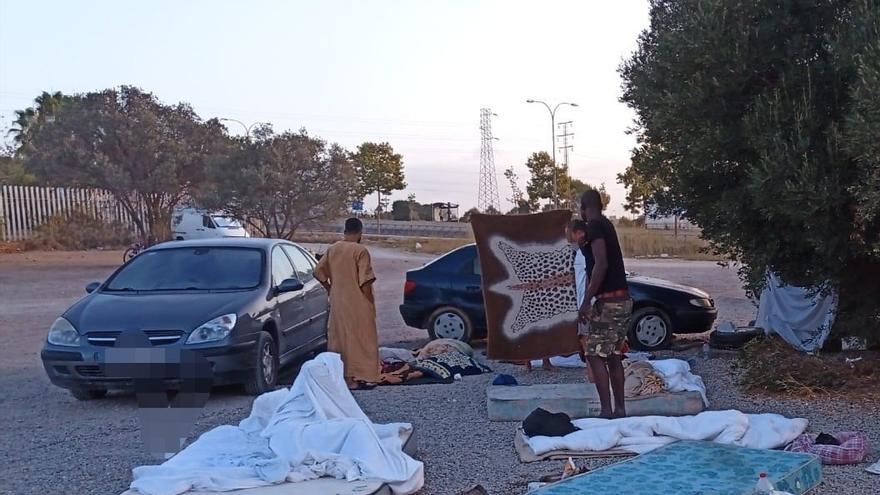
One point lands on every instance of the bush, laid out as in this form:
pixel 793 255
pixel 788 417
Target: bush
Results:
pixel 771 365
pixel 80 230
pixel 640 242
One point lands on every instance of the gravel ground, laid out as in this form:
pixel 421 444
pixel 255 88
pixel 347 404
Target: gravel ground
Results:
pixel 53 444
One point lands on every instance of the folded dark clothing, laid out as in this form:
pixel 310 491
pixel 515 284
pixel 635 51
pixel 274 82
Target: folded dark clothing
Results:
pixel 826 439
pixel 546 424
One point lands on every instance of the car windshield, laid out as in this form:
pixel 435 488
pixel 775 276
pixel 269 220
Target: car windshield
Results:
pixel 198 268
pixel 226 222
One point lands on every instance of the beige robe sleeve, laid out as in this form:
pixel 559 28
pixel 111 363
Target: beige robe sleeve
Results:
pixel 322 271
pixel 365 268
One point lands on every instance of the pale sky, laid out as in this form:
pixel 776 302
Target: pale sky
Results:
pixel 413 73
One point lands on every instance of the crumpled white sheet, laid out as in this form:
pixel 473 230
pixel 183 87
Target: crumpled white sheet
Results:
pixel 646 433
pixel 679 378
pixel 314 429
pixel 675 372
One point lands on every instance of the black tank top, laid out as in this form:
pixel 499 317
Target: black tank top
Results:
pixel 615 277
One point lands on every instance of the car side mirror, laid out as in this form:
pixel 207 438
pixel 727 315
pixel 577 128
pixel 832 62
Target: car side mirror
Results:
pixel 290 285
pixel 92 287
pixel 318 256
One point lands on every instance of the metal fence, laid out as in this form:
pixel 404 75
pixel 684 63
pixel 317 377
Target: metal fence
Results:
pixel 453 230
pixel 23 208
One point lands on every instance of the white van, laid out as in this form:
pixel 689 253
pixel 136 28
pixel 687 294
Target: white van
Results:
pixel 194 223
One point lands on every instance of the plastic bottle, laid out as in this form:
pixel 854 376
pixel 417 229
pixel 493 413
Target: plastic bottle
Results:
pixel 707 351
pixel 764 486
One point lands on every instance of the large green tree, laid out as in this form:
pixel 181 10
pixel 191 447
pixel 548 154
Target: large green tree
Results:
pixel 579 187
pixel 379 171
pixel 541 185
pixel 149 155
pixel 278 183
pixel 759 121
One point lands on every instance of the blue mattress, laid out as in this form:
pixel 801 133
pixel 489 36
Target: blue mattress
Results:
pixel 696 468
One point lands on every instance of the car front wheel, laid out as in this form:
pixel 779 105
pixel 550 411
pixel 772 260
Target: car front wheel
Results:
pixel 650 329
pixel 265 373
pixel 450 323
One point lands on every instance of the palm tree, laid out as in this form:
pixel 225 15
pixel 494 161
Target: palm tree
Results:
pixel 47 106
pixel 23 119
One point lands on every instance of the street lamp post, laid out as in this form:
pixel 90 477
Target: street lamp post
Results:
pixel 247 128
pixel 553 141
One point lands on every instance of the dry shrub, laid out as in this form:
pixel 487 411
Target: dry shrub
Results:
pixel 78 231
pixel 7 247
pixel 771 365
pixel 640 242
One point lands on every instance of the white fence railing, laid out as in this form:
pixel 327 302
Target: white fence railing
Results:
pixel 23 208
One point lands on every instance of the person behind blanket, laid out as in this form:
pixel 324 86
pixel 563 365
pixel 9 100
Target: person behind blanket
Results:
pixel 545 364
pixel 577 236
pixel 346 272
pixel 609 317
pixel 576 233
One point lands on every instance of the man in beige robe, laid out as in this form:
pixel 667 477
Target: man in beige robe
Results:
pixel 347 273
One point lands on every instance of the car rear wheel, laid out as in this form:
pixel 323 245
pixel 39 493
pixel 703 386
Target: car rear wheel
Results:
pixel 734 340
pixel 265 373
pixel 450 323
pixel 88 393
pixel 650 329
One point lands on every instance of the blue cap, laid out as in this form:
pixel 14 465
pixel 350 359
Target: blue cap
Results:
pixel 504 380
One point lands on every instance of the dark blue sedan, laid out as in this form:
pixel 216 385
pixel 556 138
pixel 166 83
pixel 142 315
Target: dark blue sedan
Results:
pixel 238 307
pixel 445 297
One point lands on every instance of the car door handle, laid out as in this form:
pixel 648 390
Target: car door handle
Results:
pixel 472 288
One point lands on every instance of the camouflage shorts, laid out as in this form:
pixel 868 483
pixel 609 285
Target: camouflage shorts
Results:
pixel 607 329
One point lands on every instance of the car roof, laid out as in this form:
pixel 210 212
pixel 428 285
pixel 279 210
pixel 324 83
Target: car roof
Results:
pixel 240 242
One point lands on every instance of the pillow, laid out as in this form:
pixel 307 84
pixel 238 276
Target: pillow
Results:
pixel 442 346
pixel 432 368
pixel 453 363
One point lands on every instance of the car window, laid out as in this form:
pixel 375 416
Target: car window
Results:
pixel 467 261
pixel 226 222
pixel 281 267
pixel 206 222
pixel 194 268
pixel 304 269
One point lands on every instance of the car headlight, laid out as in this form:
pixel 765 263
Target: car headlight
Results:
pixel 701 303
pixel 216 329
pixel 62 333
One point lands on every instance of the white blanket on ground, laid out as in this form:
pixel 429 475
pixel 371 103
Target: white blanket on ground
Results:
pixel 675 372
pixel 646 433
pixel 314 429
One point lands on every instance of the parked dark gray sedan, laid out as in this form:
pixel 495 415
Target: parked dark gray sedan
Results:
pixel 242 308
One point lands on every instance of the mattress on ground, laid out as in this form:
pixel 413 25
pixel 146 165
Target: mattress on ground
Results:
pixel 527 454
pixel 323 486
pixel 581 400
pixel 696 467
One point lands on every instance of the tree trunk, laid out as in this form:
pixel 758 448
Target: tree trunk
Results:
pixel 379 212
